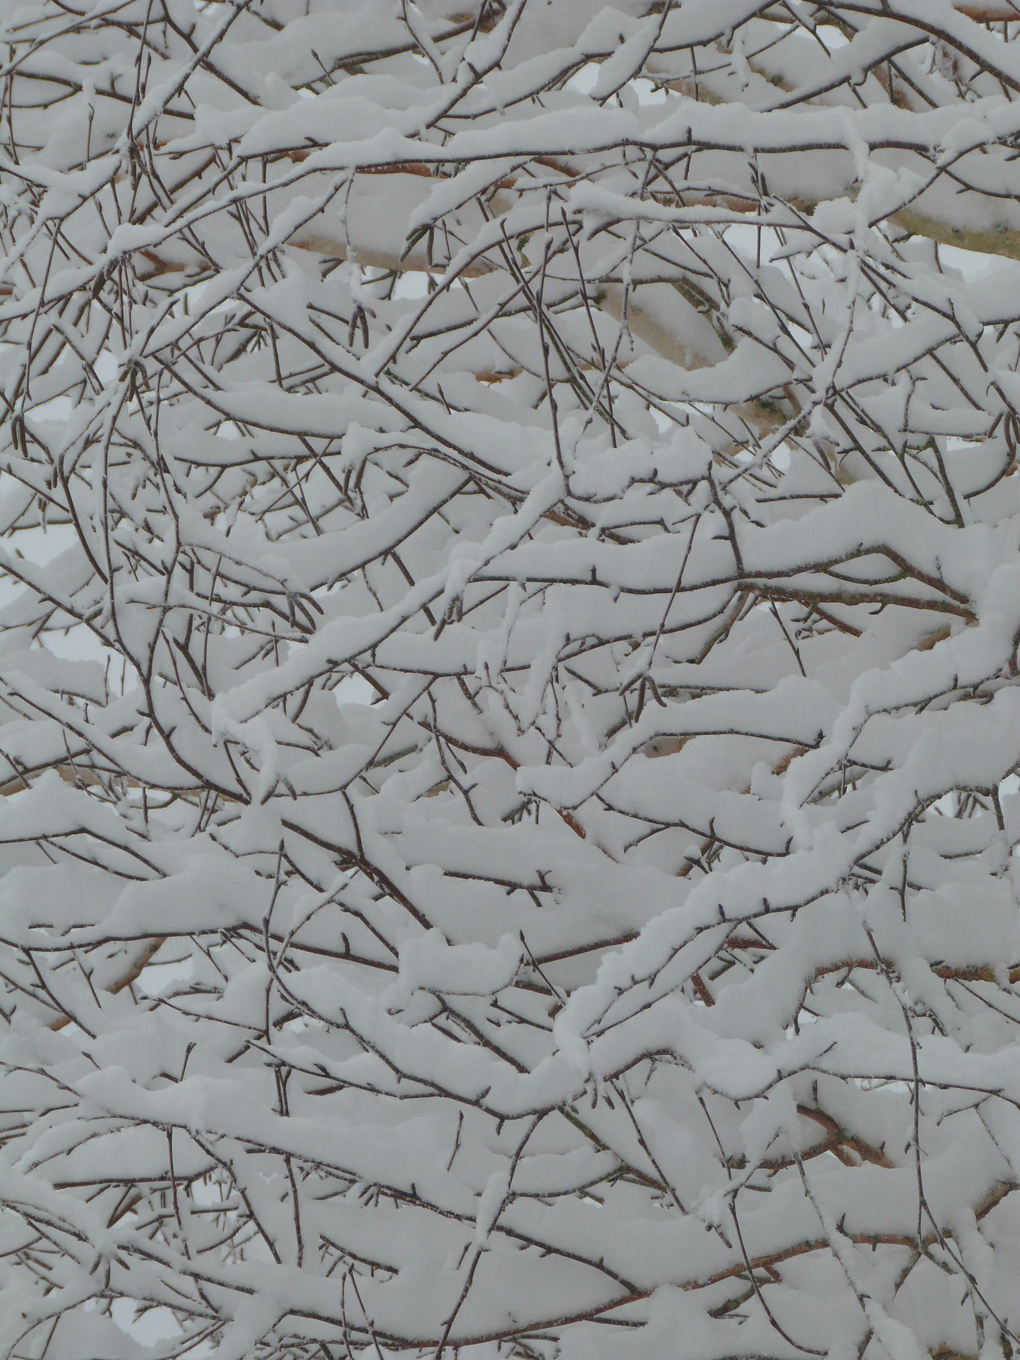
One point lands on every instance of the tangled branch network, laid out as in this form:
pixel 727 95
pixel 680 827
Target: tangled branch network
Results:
pixel 508 660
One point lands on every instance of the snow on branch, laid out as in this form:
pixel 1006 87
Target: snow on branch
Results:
pixel 509 660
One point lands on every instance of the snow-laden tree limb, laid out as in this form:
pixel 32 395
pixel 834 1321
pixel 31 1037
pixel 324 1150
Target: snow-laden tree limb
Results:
pixel 510 675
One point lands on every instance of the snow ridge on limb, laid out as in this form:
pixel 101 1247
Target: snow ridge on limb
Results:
pixel 509 660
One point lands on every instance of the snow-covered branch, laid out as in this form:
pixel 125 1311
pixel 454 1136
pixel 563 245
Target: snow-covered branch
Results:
pixel 509 660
